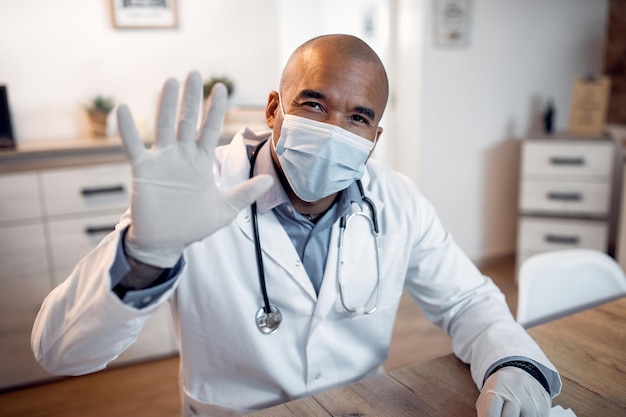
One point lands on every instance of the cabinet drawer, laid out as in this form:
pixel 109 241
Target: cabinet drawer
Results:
pixel 86 189
pixel 71 240
pixel 17 362
pixel 565 197
pixel 585 159
pixel 540 235
pixel 19 197
pixel 24 279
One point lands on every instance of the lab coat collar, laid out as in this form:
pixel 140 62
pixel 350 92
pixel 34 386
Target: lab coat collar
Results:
pixel 276 195
pixel 235 167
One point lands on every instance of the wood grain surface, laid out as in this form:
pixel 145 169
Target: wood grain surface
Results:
pixel 588 348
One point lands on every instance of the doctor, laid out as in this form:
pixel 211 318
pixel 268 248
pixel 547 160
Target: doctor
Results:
pixel 298 292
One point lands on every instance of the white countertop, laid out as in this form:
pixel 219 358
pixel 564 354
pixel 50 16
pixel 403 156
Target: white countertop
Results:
pixel 57 153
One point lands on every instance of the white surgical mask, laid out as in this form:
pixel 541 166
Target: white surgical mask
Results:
pixel 319 159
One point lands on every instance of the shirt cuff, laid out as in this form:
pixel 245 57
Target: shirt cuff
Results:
pixel 144 297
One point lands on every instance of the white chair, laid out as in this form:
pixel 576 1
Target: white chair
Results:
pixel 558 283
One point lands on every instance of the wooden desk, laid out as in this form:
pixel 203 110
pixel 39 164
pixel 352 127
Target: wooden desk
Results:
pixel 588 348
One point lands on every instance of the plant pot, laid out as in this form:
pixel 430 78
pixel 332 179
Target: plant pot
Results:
pixel 98 122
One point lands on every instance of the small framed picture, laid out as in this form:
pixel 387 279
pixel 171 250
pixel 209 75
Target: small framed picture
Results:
pixel 452 23
pixel 589 103
pixel 144 14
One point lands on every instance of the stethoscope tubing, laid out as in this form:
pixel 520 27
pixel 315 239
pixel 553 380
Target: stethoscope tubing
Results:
pixel 257 241
pixel 268 318
pixel 343 225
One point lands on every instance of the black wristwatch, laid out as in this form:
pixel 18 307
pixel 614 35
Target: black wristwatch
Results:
pixel 528 367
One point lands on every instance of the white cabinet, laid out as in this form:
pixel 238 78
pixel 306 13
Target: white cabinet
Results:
pixel 25 282
pixel 24 275
pixel 19 197
pixel 565 195
pixel 81 206
pixel 86 189
pixel 72 238
pixel 49 220
pixel 538 235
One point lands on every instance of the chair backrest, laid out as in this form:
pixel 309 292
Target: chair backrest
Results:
pixel 558 283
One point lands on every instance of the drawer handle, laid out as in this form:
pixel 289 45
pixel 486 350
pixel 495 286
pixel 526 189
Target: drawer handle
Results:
pixel 102 190
pixel 563 160
pixel 565 196
pixel 569 240
pixel 92 230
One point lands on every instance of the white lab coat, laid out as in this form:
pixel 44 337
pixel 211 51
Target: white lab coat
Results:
pixel 227 366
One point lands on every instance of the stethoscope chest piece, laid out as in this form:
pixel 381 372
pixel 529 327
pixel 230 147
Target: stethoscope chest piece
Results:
pixel 268 323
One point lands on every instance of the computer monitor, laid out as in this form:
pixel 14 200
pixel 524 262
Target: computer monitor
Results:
pixel 6 130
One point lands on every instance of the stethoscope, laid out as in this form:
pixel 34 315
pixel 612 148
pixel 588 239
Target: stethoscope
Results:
pixel 269 317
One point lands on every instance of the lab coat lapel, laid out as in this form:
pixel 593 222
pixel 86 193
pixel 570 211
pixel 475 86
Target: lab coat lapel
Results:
pixel 329 291
pixel 275 242
pixel 276 246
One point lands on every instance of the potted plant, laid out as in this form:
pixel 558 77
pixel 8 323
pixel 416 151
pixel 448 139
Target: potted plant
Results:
pixel 98 110
pixel 208 85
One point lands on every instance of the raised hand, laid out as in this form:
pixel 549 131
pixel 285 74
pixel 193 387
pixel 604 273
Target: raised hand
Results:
pixel 175 200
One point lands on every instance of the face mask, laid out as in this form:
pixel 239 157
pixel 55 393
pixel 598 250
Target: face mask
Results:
pixel 319 159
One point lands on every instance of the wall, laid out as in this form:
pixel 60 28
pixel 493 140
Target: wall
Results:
pixel 463 112
pixel 459 114
pixel 55 55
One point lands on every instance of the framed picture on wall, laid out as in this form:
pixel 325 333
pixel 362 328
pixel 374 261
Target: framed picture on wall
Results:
pixel 144 14
pixel 452 22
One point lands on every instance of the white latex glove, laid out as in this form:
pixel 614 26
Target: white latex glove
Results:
pixel 175 200
pixel 513 392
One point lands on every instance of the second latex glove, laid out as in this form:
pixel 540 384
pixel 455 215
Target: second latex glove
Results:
pixel 175 200
pixel 512 392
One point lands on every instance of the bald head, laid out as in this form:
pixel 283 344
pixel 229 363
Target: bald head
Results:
pixel 333 49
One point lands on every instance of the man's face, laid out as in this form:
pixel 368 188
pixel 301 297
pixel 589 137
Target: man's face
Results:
pixel 324 86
